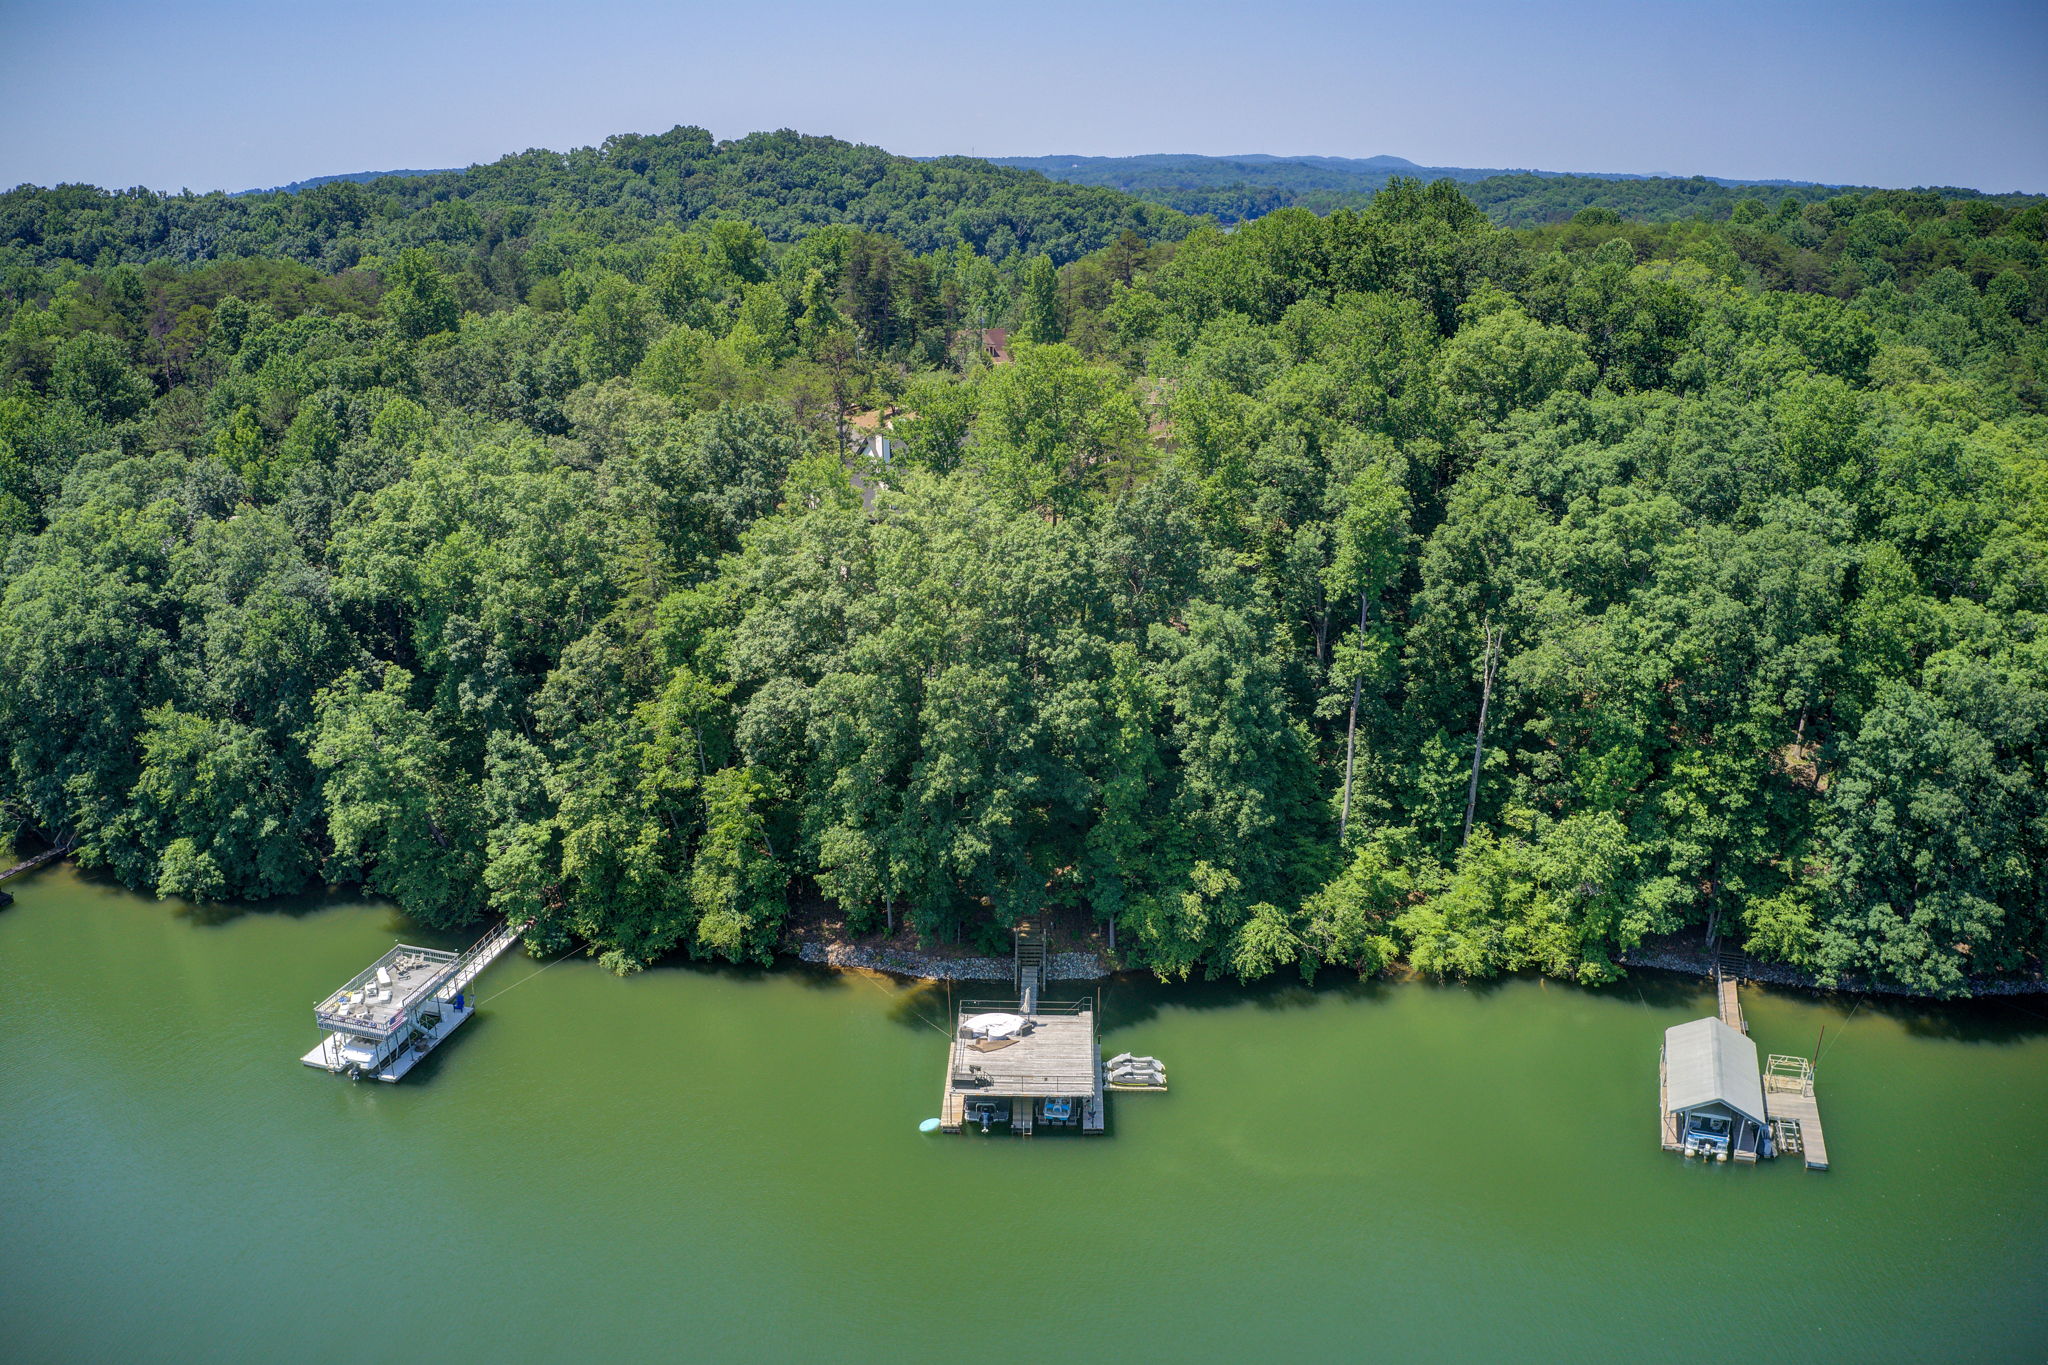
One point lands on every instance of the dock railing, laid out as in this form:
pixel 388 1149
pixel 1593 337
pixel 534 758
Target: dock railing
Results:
pixel 1010 1006
pixel 390 1016
pixel 480 955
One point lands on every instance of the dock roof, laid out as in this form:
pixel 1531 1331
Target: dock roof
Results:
pixel 1708 1062
pixel 1058 1056
pixel 372 1005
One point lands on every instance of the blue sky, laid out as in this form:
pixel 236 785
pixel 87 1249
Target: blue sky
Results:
pixel 221 94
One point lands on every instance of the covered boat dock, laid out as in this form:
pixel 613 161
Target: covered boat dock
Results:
pixel 1007 1067
pixel 1712 1092
pixel 1715 1101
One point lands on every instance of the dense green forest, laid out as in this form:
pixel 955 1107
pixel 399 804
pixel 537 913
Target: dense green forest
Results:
pixel 1238 189
pixel 542 210
pixel 1330 590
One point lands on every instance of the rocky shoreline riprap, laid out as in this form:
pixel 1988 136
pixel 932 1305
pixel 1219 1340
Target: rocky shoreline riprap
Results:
pixel 936 967
pixel 1691 960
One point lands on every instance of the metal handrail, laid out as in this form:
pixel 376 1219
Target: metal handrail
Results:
pixel 1010 1006
pixel 493 943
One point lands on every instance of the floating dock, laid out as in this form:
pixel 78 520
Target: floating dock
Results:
pixel 1715 1101
pixel 1005 1065
pixel 1029 1063
pixel 1795 1112
pixel 402 1006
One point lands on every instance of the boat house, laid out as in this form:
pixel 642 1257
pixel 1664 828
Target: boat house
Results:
pixel 1714 1102
pixel 1712 1088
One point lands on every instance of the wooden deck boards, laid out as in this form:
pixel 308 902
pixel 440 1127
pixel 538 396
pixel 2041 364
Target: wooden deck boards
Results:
pixel 1059 1058
pixel 1804 1109
pixel 1730 1004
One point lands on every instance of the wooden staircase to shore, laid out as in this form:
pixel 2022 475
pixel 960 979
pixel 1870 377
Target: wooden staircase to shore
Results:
pixel 1031 961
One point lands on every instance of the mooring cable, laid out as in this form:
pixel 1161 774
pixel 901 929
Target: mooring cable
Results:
pixel 1844 1029
pixel 524 979
pixel 891 997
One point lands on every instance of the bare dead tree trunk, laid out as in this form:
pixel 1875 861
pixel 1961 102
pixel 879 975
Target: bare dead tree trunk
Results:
pixel 1479 741
pixel 1351 734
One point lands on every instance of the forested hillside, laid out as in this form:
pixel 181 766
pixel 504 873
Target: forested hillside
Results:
pixel 1308 595
pixel 553 206
pixel 1237 189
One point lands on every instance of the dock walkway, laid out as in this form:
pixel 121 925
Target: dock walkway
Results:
pixel 1728 972
pixel 482 954
pixel 48 855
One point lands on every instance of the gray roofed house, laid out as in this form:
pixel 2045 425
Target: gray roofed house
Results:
pixel 1713 1090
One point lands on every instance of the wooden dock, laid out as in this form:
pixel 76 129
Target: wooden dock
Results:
pixel 1035 1050
pixel 49 855
pixel 1777 1098
pixel 1795 1110
pixel 1667 1122
pixel 1728 973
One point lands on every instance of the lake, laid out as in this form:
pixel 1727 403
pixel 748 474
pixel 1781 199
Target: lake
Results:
pixel 721 1163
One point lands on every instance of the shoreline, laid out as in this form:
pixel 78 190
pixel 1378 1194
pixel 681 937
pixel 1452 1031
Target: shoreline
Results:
pixel 1694 960
pixel 918 964
pixel 1677 954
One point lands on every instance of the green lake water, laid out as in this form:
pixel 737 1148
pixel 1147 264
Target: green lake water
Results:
pixel 722 1164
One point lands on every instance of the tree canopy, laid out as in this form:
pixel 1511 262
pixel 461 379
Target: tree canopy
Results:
pixel 509 542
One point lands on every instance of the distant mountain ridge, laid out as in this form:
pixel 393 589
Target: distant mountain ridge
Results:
pixel 1238 188
pixel 352 177
pixel 785 183
pixel 1194 168
pixel 1231 189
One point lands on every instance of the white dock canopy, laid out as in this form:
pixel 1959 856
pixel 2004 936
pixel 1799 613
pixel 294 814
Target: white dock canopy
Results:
pixel 1708 1062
